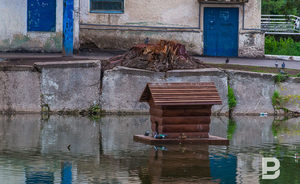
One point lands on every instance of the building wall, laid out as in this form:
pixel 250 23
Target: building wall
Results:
pixel 178 20
pixel 13 30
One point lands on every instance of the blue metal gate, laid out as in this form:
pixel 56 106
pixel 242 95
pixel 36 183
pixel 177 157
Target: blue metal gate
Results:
pixel 221 27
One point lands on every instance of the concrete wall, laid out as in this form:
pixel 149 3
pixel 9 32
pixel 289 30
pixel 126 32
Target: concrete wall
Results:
pixel 253 92
pixel 122 87
pixel 66 86
pixel 19 89
pixel 107 31
pixel 70 86
pixel 77 86
pixel 13 30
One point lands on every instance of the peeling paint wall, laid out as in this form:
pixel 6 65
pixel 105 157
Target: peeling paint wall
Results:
pixel 13 30
pixel 252 44
pixel 107 31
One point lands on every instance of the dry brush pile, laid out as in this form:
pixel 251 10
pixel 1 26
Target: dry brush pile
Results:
pixel 160 57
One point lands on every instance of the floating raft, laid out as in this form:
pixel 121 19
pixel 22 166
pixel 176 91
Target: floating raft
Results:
pixel 182 112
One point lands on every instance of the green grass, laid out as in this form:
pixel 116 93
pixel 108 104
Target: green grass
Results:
pixel 231 98
pixel 276 98
pixel 283 46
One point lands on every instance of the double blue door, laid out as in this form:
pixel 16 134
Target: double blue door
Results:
pixel 221 27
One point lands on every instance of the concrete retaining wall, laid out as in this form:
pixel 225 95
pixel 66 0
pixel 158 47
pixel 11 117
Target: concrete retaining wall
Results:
pixel 291 90
pixel 253 92
pixel 75 87
pixel 70 86
pixel 63 86
pixel 122 87
pixel 19 89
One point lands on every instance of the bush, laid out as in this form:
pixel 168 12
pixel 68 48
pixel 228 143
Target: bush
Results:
pixel 280 78
pixel 276 99
pixel 298 75
pixel 283 46
pixel 231 98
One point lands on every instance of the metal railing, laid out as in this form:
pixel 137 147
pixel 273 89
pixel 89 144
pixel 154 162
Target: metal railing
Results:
pixel 280 24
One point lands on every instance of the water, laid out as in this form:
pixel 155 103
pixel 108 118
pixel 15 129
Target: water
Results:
pixel 62 149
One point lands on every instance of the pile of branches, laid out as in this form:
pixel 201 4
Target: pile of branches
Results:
pixel 160 57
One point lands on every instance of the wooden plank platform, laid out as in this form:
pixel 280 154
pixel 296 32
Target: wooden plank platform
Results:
pixel 211 140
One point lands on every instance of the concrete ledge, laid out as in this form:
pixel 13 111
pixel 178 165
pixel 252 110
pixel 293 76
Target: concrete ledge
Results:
pixel 281 57
pixel 67 64
pixel 16 68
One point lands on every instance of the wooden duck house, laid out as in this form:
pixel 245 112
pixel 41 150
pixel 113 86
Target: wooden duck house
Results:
pixel 181 111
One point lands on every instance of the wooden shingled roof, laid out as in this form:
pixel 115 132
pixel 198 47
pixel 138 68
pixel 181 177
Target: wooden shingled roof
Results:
pixel 171 94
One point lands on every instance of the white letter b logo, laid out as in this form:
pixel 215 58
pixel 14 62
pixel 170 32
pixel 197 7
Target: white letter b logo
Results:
pixel 266 169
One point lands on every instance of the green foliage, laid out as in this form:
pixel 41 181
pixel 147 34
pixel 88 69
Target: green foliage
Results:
pixel 95 109
pixel 276 99
pixel 283 46
pixel 280 78
pixel 231 98
pixel 231 128
pixel 298 75
pixel 281 7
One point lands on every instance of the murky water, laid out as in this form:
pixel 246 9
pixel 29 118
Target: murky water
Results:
pixel 80 150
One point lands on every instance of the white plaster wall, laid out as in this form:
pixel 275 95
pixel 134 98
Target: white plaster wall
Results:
pixel 13 30
pixel 146 12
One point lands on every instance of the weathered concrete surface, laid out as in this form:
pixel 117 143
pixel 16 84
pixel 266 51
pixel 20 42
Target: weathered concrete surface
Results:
pixel 253 92
pixel 19 89
pixel 122 87
pixel 70 86
pixel 291 90
pixel 124 40
pixel 252 44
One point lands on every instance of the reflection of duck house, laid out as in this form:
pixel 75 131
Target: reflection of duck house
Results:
pixel 181 111
pixel 179 163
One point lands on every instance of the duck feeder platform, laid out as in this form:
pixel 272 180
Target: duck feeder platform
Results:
pixel 181 112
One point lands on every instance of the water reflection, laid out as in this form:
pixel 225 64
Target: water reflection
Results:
pixel 65 149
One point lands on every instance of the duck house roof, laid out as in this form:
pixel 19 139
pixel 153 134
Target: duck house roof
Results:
pixel 177 94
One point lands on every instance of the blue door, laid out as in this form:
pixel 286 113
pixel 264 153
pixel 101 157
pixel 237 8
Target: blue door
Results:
pixel 221 27
pixel 41 15
pixel 68 24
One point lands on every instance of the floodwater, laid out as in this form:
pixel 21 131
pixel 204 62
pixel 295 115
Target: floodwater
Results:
pixel 66 149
